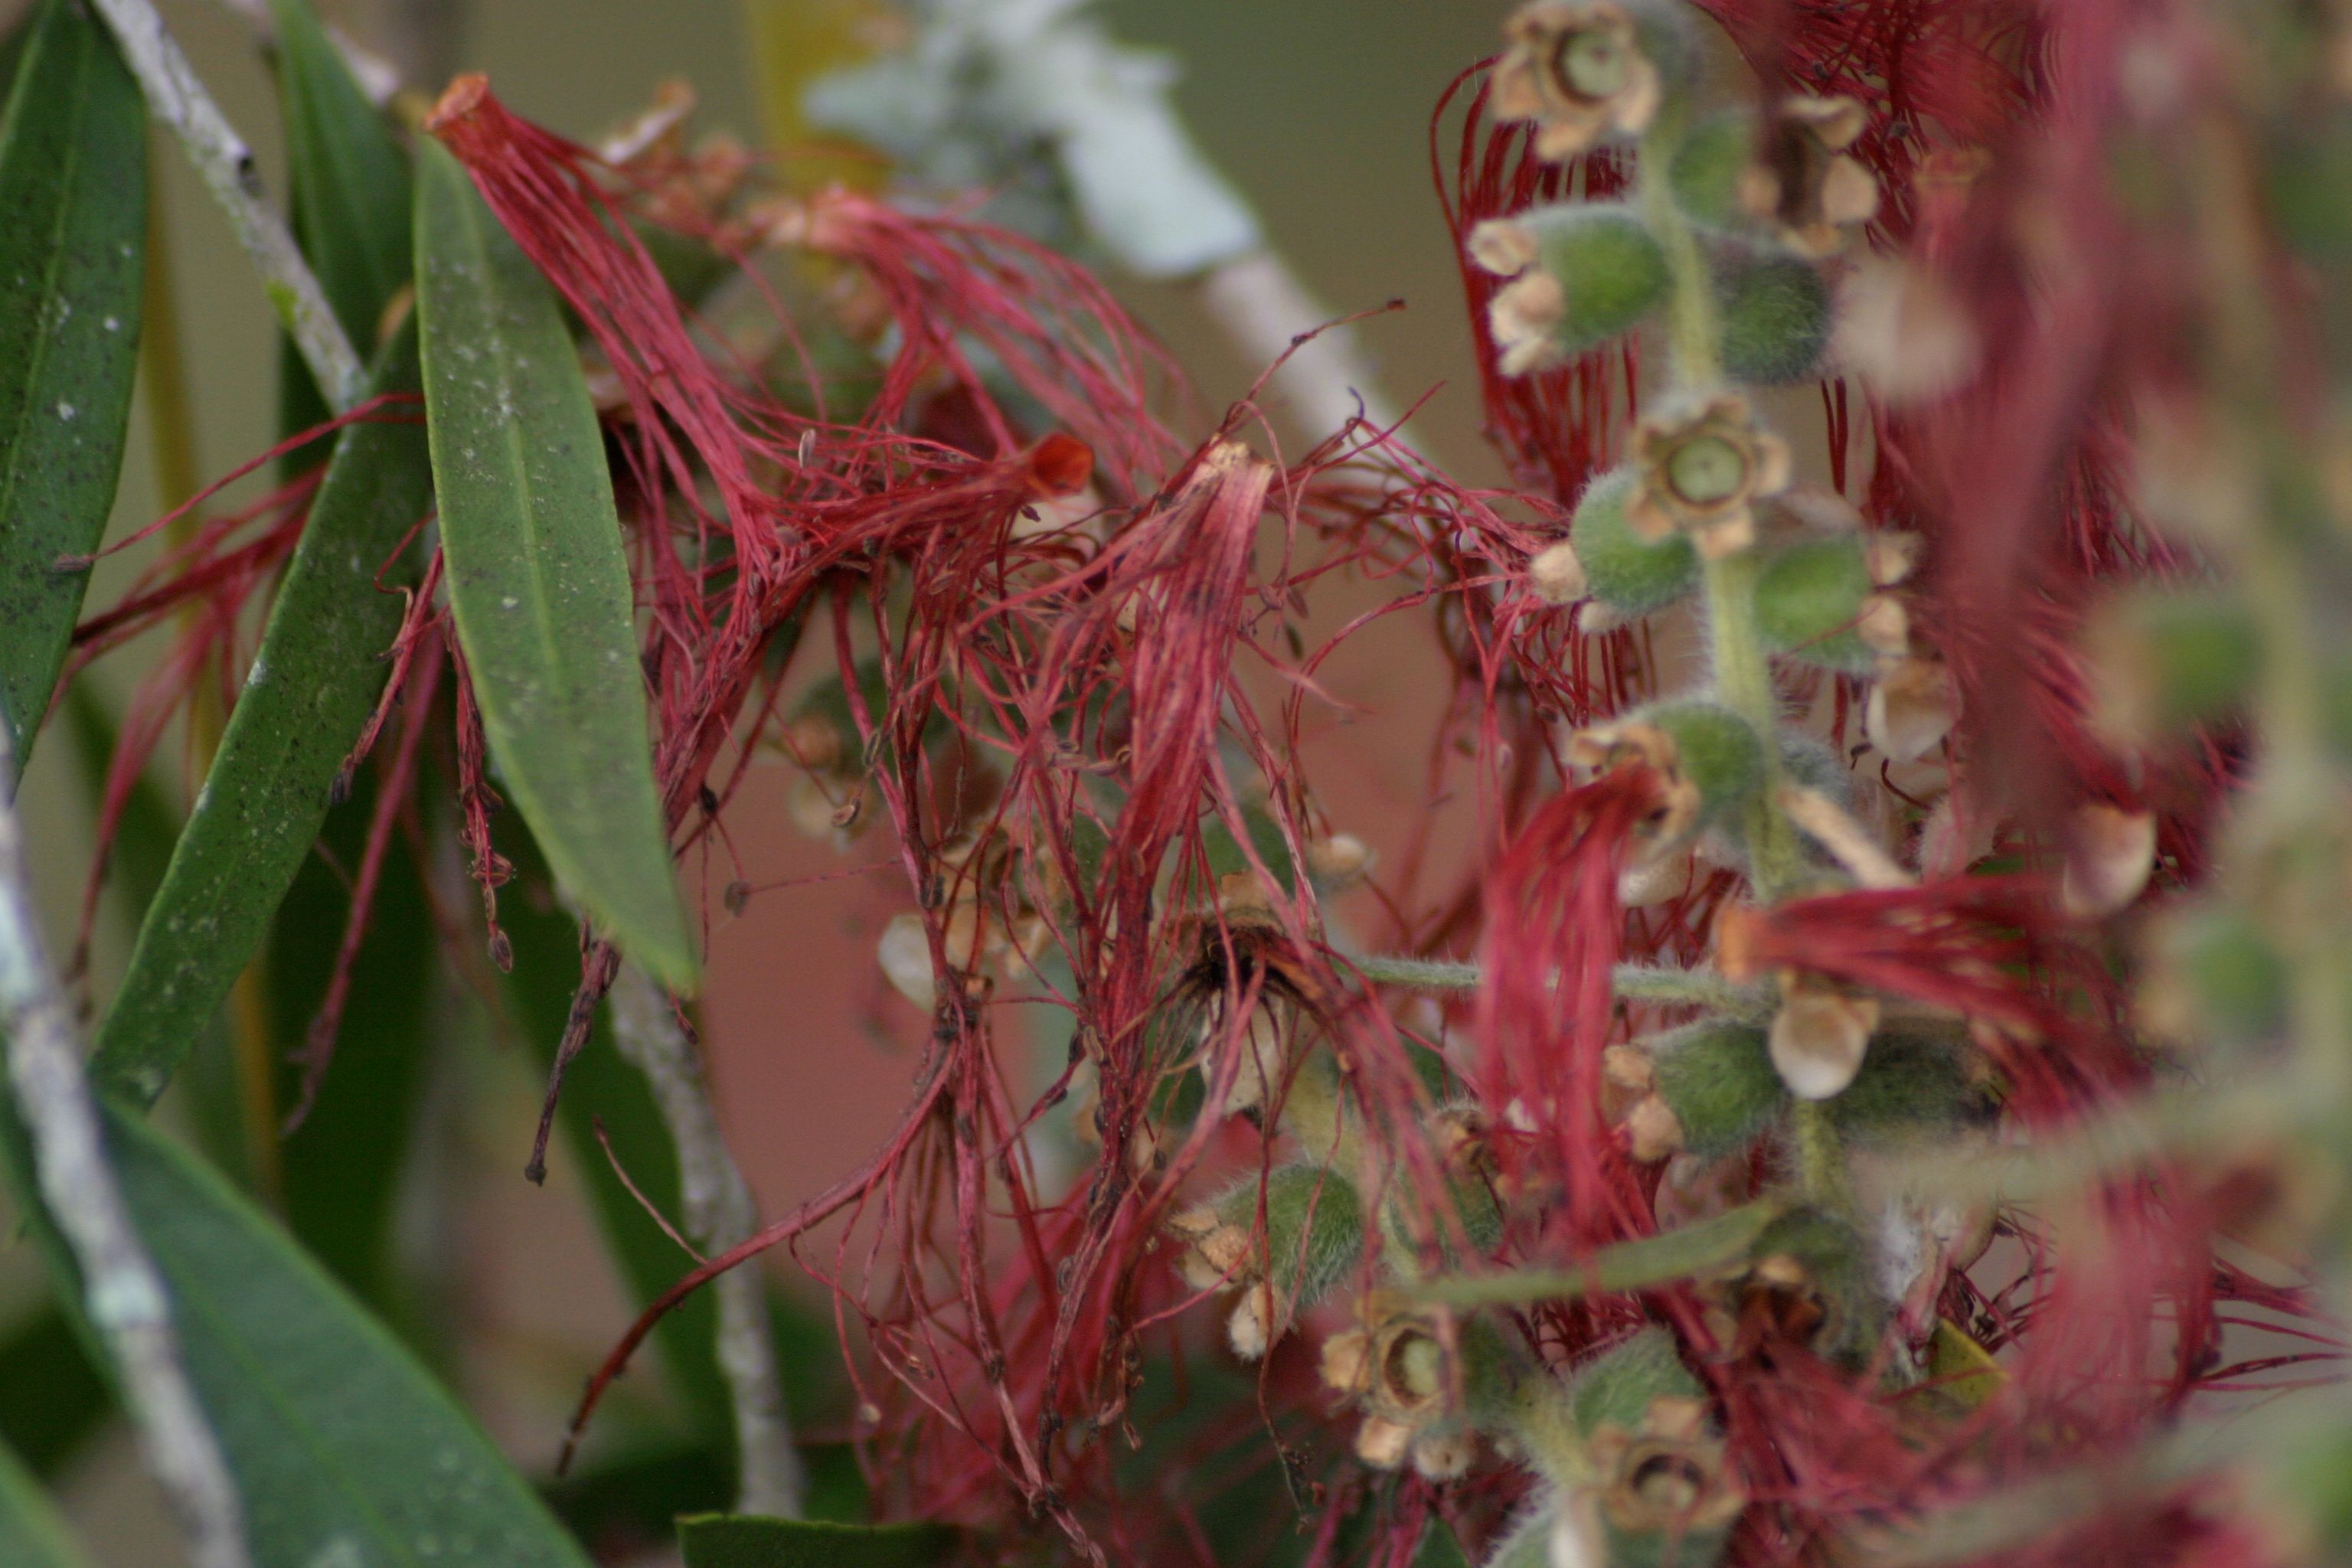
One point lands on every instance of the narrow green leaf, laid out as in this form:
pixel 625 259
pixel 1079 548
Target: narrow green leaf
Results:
pixel 51 1398
pixel 73 185
pixel 742 1541
pixel 31 1533
pixel 1643 1265
pixel 538 581
pixel 349 203
pixel 345 1448
pixel 311 687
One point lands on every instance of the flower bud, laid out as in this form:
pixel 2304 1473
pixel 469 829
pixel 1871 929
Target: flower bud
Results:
pixel 1338 861
pixel 1809 597
pixel 1587 71
pixel 1581 275
pixel 1706 758
pixel 1776 317
pixel 1907 1087
pixel 2163 661
pixel 1623 571
pixel 1312 1238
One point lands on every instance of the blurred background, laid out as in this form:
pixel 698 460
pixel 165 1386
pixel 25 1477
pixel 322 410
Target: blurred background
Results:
pixel 1317 110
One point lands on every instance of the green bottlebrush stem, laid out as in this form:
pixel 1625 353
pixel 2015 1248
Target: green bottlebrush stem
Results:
pixel 1622 570
pixel 1704 174
pixel 1714 751
pixel 1616 1388
pixel 1907 1087
pixel 1808 598
pixel 1718 1080
pixel 2166 659
pixel 1776 317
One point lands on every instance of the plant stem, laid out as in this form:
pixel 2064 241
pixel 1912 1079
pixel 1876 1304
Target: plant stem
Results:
pixel 719 1214
pixel 225 165
pixel 1632 982
pixel 122 1290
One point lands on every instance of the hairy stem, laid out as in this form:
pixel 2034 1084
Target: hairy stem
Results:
pixel 123 1291
pixel 718 1214
pixel 1652 983
pixel 225 165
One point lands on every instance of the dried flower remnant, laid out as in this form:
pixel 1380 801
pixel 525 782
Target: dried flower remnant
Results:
pixel 2110 853
pixel 1667 1478
pixel 1556 575
pixel 1805 182
pixel 1414 1392
pixel 1580 72
pixel 1701 470
pixel 1820 1035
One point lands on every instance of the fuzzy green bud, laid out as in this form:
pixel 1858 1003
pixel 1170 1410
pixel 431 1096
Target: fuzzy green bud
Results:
pixel 1715 751
pixel 1718 1080
pixel 2166 659
pixel 1807 598
pixel 1907 1086
pixel 1628 574
pixel 1707 168
pixel 2221 971
pixel 1581 275
pixel 1815 1270
pixel 1616 1388
pixel 1314 1229
pixel 1776 317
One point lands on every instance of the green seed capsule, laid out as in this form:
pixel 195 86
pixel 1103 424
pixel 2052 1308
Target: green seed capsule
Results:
pixel 1622 570
pixel 1314 1229
pixel 1609 269
pixel 1705 175
pixel 1807 598
pixel 1718 1079
pixel 1776 318
pixel 1907 1086
pixel 1714 751
pixel 1616 1389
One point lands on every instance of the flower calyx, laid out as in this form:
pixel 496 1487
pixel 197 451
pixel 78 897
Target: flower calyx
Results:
pixel 1665 1479
pixel 1805 182
pixel 1579 69
pixel 1700 469
pixel 1401 1368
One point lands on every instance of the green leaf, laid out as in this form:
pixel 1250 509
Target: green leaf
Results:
pixel 311 687
pixel 73 185
pixel 537 582
pixel 1698 1248
pixel 742 1541
pixel 346 1449
pixel 51 1398
pixel 349 201
pixel 31 1533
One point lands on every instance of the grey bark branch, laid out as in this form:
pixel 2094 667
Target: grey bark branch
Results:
pixel 225 165
pixel 718 1213
pixel 1263 307
pixel 122 1290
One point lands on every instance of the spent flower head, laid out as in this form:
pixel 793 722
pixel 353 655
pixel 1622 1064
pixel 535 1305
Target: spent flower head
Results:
pixel 1577 69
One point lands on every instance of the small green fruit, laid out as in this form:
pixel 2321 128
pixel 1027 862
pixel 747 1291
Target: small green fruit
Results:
pixel 1714 751
pixel 1616 1389
pixel 1622 570
pixel 1609 269
pixel 1704 174
pixel 1720 1081
pixel 1807 598
pixel 1776 318
pixel 1907 1086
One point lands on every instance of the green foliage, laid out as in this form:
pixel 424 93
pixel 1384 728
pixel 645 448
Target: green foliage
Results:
pixel 51 1398
pixel 1808 598
pixel 2229 974
pixel 344 1447
pixel 1623 571
pixel 313 683
pixel 1717 1078
pixel 1776 317
pixel 1609 267
pixel 31 1533
pixel 537 582
pixel 741 1540
pixel 73 185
